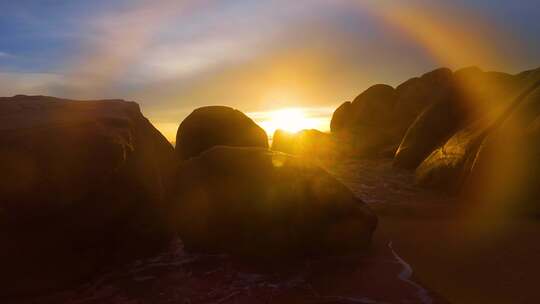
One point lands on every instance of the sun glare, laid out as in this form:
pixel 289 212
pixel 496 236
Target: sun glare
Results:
pixel 288 119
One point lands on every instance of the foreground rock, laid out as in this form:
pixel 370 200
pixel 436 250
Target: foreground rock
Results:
pixel 308 143
pixel 482 145
pixel 258 203
pixel 83 185
pixel 506 169
pixel 214 126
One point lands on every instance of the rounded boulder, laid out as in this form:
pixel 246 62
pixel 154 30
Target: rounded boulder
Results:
pixel 211 126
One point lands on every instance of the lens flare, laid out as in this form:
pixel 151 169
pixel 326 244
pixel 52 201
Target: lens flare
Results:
pixel 288 119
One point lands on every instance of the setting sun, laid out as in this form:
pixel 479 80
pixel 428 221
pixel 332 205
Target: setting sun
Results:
pixel 291 120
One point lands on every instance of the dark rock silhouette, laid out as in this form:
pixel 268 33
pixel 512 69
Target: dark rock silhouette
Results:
pixel 341 118
pixel 83 185
pixel 217 125
pixel 377 121
pixel 257 203
pixel 365 124
pixel 308 143
pixel 414 95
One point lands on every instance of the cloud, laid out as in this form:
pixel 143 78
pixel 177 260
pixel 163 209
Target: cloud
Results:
pixel 172 56
pixel 29 83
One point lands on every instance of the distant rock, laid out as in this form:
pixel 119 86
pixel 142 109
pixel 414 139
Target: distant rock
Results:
pixel 84 185
pixel 257 203
pixel 373 106
pixel 309 143
pixel 376 121
pixel 341 118
pixel 381 119
pixel 365 125
pixel 211 126
pixel 416 94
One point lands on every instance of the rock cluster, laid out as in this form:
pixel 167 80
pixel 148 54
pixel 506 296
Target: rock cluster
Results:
pixel 88 185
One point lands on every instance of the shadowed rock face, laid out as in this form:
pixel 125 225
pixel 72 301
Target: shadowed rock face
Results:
pixel 257 203
pixel 365 124
pixel 416 94
pixel 449 165
pixel 379 117
pixel 431 128
pixel 308 143
pixel 506 168
pixel 482 145
pixel 84 184
pixel 217 125
pixel 423 112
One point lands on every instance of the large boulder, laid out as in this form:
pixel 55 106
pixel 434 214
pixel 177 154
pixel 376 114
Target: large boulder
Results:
pixel 341 118
pixel 470 149
pixel 217 125
pixel 416 94
pixel 308 143
pixel 430 130
pixel 365 124
pixel 373 106
pixel 84 184
pixel 257 203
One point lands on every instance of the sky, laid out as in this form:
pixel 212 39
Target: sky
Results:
pixel 258 56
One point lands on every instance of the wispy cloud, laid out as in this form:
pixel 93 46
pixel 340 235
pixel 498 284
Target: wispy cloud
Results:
pixel 173 56
pixel 29 83
pixel 5 55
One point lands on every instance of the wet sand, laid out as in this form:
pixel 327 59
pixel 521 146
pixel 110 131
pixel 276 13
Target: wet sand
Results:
pixel 378 276
pixel 463 256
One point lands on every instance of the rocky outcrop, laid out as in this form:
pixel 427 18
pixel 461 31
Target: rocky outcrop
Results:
pixel 382 118
pixel 308 143
pixel 214 126
pixel 377 119
pixel 262 204
pixel 84 184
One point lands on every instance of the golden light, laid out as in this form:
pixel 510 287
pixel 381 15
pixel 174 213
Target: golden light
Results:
pixel 288 119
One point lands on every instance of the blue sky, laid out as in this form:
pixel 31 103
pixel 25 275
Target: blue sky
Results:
pixel 172 56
